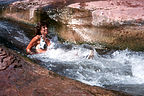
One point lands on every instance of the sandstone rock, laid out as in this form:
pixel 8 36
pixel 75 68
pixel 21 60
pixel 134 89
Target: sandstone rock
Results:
pixel 20 77
pixel 113 23
pixel 101 13
pixel 113 12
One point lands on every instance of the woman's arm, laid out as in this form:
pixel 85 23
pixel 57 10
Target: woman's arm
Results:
pixel 32 43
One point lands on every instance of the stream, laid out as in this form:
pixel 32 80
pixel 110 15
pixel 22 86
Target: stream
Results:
pixel 121 70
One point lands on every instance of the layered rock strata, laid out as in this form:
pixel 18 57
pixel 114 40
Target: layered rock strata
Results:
pixel 115 23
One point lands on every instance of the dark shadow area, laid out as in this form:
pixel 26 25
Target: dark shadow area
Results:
pixel 43 17
pixel 8 44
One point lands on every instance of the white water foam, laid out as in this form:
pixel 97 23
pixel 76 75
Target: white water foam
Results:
pixel 132 63
pixel 121 67
pixel 61 55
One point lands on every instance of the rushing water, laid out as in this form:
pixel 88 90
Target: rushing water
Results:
pixel 119 70
pixel 12 36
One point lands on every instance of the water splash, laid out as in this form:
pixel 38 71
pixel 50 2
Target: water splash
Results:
pixel 121 67
pixel 63 53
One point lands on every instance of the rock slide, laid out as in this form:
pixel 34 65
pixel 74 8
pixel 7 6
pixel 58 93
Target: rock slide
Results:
pixel 20 77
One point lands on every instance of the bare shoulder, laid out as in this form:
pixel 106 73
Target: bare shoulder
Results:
pixel 37 37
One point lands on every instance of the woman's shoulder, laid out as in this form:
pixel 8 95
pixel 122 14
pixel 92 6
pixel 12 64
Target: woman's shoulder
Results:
pixel 37 37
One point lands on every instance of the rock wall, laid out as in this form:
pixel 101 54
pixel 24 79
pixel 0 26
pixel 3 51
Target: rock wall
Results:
pixel 113 23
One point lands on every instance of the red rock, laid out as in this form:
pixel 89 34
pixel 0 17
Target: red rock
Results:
pixel 105 13
pixel 93 21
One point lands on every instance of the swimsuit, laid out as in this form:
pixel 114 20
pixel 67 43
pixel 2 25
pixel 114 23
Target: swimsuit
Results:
pixel 42 44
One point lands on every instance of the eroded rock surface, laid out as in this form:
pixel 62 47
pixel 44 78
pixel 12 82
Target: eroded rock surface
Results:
pixel 20 77
pixel 101 12
pixel 114 23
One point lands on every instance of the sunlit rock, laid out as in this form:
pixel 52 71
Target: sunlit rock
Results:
pixel 114 22
pixel 107 22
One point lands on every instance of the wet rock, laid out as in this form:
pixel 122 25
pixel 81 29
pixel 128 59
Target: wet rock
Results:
pixel 21 77
pixel 113 23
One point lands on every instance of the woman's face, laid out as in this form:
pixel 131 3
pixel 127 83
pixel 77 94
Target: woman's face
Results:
pixel 44 30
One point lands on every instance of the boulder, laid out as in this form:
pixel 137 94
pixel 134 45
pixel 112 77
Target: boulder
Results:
pixel 114 23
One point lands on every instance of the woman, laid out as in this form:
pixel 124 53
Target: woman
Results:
pixel 40 41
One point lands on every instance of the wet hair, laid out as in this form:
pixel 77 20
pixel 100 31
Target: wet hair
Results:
pixel 38 27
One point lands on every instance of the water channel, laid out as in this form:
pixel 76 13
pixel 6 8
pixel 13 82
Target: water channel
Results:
pixel 121 70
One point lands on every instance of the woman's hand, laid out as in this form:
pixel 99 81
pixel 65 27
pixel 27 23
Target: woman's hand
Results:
pixel 29 51
pixel 47 42
pixel 33 43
